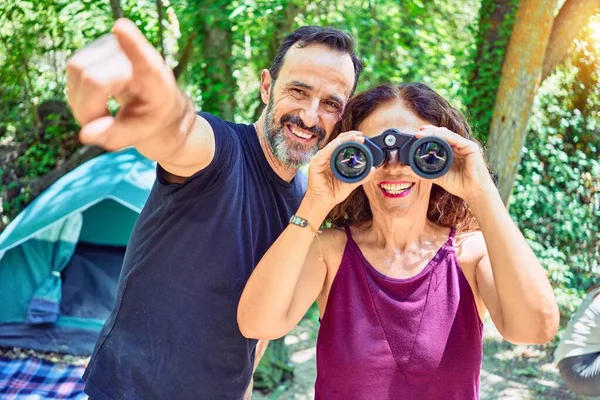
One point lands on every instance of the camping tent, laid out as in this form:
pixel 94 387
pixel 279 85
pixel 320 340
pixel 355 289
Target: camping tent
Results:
pixel 60 258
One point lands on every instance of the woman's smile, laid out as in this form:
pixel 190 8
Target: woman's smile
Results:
pixel 396 189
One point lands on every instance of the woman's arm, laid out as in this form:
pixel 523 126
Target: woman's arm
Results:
pixel 291 275
pixel 287 280
pixel 511 281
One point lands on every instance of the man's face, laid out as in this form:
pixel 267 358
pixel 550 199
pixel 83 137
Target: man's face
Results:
pixel 306 101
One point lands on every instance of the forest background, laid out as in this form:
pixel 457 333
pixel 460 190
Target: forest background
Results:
pixel 525 72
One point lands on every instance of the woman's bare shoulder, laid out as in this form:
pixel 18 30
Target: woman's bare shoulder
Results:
pixel 333 237
pixel 333 243
pixel 470 246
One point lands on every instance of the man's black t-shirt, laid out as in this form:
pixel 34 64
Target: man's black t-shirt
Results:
pixel 173 333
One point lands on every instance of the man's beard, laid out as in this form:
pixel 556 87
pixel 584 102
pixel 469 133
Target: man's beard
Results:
pixel 290 153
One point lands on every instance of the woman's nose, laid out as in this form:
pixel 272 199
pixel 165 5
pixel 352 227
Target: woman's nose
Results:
pixel 393 158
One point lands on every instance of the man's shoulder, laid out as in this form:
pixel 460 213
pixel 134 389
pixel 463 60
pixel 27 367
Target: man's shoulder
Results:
pixel 218 123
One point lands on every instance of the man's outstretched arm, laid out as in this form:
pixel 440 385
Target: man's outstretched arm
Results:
pixel 155 115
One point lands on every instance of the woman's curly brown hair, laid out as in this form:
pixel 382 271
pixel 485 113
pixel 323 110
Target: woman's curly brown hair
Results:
pixel 444 209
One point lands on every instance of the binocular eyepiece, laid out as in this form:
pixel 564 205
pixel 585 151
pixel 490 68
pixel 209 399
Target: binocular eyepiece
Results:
pixel 429 157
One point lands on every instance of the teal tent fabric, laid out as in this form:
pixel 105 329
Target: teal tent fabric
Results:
pixel 123 176
pixel 93 208
pixel 61 239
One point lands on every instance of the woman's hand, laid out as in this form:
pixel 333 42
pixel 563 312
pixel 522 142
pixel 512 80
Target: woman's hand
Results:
pixel 468 176
pixel 323 187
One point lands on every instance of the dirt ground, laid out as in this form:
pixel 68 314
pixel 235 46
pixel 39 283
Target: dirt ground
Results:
pixel 508 371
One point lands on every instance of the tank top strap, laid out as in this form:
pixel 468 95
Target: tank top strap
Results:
pixel 349 234
pixel 351 245
pixel 448 247
pixel 452 233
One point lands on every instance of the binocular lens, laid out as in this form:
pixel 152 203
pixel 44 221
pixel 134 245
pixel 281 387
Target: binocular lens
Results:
pixel 430 157
pixel 351 162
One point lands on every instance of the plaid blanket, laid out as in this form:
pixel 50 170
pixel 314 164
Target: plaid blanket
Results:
pixel 35 379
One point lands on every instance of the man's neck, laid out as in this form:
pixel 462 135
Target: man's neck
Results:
pixel 284 172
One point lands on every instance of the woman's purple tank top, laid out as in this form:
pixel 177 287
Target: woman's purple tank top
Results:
pixel 385 338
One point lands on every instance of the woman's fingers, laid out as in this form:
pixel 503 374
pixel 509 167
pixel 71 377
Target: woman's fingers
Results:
pixel 321 180
pixel 325 153
pixel 463 145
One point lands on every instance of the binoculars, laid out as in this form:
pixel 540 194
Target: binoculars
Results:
pixel 429 157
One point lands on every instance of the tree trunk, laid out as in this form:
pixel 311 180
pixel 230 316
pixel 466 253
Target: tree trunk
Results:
pixel 116 9
pixel 569 22
pixel 521 76
pixel 186 55
pixel 496 20
pixel 218 84
pixel 161 16
pixel 281 30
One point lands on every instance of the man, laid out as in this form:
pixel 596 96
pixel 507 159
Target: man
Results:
pixel 224 193
pixel 578 353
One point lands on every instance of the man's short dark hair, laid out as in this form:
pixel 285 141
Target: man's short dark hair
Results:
pixel 333 38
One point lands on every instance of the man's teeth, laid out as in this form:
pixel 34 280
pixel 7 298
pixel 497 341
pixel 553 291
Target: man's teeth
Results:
pixel 396 188
pixel 301 134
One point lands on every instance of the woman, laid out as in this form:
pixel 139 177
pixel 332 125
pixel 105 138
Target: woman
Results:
pixel 403 287
pixel 578 353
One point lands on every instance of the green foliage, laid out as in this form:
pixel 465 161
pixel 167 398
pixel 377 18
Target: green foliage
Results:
pixel 274 368
pixel 53 142
pixel 34 119
pixel 399 42
pixel 457 47
pixel 484 71
pixel 32 72
pixel 528 371
pixel 32 62
pixel 556 200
